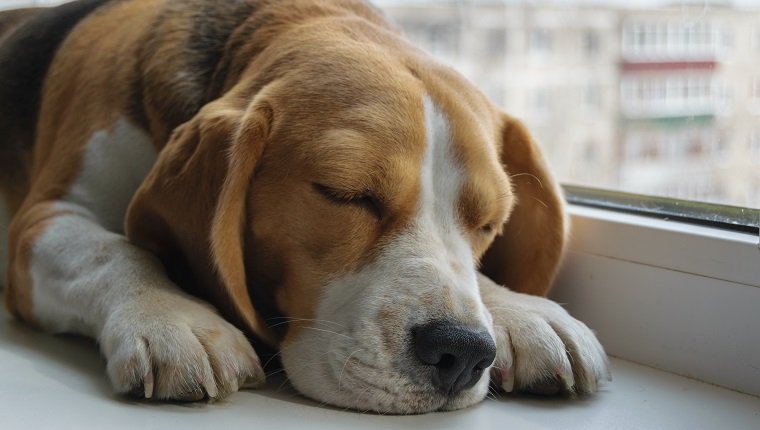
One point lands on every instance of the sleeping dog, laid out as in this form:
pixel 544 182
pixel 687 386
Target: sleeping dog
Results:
pixel 180 179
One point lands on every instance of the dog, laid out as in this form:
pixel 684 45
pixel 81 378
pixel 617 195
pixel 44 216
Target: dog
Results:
pixel 186 179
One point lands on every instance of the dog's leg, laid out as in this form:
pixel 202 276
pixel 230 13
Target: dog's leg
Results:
pixel 69 274
pixel 540 347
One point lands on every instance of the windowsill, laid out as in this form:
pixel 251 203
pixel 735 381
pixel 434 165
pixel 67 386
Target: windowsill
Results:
pixel 673 296
pixel 59 382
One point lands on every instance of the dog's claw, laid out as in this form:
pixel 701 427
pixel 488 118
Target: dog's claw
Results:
pixel 506 375
pixel 147 381
pixel 254 381
pixel 566 376
pixel 210 387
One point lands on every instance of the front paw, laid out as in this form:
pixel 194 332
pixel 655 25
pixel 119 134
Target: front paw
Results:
pixel 173 347
pixel 540 348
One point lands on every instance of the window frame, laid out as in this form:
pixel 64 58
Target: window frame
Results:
pixel 719 216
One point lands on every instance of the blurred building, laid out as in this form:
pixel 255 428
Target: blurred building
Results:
pixel 663 101
pixel 687 105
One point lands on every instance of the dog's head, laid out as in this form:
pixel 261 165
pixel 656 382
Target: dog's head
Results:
pixel 340 210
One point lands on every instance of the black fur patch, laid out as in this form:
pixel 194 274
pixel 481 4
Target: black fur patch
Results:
pixel 25 56
pixel 177 93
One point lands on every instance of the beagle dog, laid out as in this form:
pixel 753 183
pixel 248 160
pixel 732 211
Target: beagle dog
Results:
pixel 183 179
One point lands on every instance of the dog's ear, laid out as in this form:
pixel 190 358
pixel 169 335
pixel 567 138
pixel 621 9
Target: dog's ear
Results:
pixel 191 208
pixel 526 256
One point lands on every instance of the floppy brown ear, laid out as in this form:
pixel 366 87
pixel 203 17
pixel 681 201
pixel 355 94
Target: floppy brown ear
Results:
pixel 527 255
pixel 190 209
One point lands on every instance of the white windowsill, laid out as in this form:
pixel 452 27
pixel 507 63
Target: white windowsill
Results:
pixel 677 297
pixel 617 278
pixel 59 382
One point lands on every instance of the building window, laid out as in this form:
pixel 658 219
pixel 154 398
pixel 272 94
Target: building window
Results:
pixel 592 98
pixel 541 41
pixel 496 42
pixel 591 42
pixel 674 39
pixel 443 39
pixel 668 94
pixel 590 153
pixel 540 102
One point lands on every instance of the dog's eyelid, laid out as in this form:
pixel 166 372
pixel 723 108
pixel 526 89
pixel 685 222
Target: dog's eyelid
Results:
pixel 488 229
pixel 333 193
pixel 366 198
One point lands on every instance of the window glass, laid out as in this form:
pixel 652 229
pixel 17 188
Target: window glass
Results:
pixel 10 4
pixel 669 91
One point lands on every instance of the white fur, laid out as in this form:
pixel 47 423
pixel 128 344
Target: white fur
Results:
pixel 344 358
pixel 88 279
pixel 4 220
pixel 115 163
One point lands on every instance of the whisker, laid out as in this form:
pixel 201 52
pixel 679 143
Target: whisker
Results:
pixel 540 201
pixel 493 393
pixel 530 175
pixel 275 355
pixel 287 320
pixel 275 372
pixel 328 331
pixel 285 382
pixel 340 378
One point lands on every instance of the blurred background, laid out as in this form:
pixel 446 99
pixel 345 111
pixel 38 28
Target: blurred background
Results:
pixel 652 97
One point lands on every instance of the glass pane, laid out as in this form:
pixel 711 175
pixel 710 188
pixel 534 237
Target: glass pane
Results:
pixel 10 4
pixel 651 97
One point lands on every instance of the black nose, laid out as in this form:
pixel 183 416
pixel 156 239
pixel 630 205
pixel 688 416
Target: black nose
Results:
pixel 457 353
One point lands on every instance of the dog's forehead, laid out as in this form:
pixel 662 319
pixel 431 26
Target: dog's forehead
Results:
pixel 367 126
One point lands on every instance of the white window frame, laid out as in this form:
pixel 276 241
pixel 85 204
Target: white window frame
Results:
pixel 678 297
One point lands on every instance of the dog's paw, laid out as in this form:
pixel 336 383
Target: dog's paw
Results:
pixel 173 347
pixel 541 349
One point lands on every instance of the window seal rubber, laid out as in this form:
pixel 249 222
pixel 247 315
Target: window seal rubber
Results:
pixel 733 218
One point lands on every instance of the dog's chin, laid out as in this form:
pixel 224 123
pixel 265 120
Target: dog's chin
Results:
pixel 331 378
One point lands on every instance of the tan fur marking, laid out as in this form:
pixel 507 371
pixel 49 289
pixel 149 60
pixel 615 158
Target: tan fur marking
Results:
pixel 23 233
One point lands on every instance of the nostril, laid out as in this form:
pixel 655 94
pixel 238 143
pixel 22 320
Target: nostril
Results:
pixel 457 354
pixel 484 363
pixel 447 361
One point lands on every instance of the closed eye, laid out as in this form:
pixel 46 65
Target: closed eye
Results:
pixel 365 199
pixel 487 229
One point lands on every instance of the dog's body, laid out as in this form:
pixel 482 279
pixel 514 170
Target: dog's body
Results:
pixel 328 188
